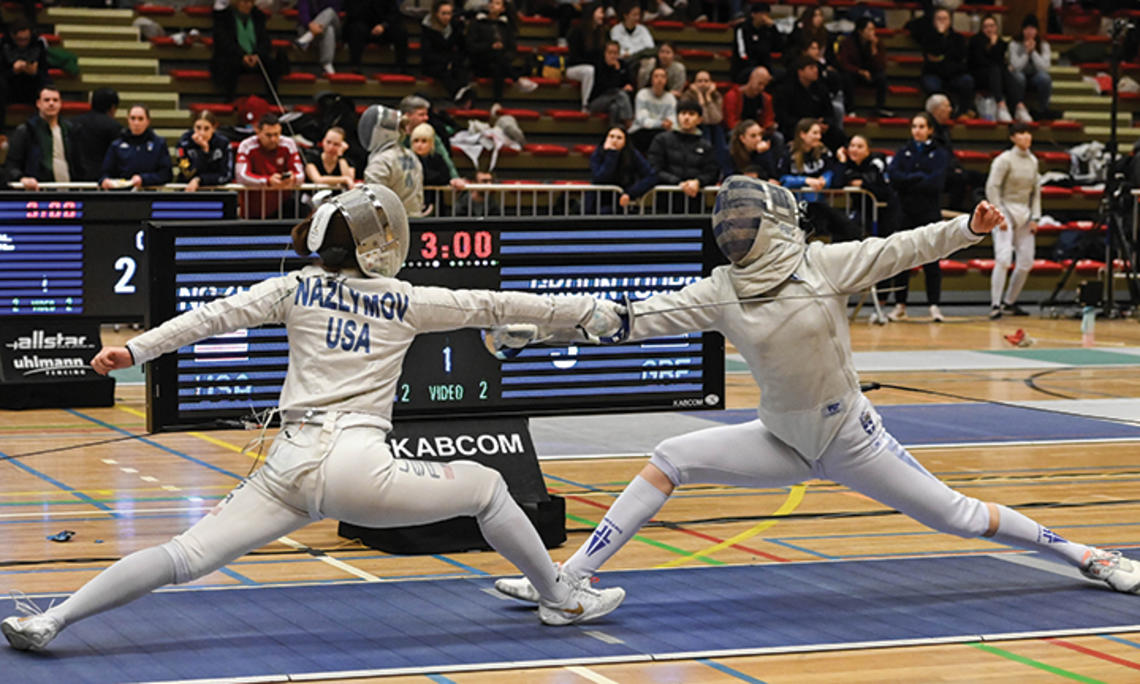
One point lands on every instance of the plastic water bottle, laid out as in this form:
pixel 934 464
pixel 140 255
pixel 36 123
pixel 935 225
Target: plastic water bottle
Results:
pixel 1088 325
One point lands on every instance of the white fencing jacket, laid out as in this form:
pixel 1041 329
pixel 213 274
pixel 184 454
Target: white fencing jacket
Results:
pixel 348 335
pixel 797 344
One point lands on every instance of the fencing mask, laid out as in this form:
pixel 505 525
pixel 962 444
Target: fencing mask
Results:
pixel 750 215
pixel 379 128
pixel 378 223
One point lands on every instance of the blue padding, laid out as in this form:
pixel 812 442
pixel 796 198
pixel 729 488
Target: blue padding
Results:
pixel 436 624
pixel 963 423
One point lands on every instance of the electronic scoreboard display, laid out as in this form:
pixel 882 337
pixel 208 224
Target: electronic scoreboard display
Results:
pixel 82 254
pixel 228 377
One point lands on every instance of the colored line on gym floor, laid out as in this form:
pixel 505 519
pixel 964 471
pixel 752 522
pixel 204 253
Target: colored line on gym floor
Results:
pixel 587 673
pixel 225 570
pixel 795 497
pixel 1008 655
pixel 1094 653
pixel 458 564
pixel 721 667
pixel 83 498
pixel 651 542
pixel 440 679
pixel 1121 640
pixel 673 527
pixel 200 435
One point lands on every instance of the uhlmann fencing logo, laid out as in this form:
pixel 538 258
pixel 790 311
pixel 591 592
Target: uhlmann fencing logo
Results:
pixel 56 361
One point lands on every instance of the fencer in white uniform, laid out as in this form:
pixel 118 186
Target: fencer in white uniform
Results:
pixel 350 323
pixel 814 422
pixel 1014 186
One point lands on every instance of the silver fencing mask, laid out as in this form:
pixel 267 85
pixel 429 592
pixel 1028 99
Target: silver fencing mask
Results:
pixel 379 227
pixel 750 215
pixel 379 127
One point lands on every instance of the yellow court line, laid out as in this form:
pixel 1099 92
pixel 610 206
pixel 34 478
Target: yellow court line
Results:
pixel 204 437
pixel 795 497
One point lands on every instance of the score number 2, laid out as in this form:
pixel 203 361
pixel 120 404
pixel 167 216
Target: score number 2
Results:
pixel 128 266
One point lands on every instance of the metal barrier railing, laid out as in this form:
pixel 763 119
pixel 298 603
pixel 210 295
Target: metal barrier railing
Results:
pixel 513 199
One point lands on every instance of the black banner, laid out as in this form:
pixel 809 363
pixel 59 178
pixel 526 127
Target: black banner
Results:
pixel 46 363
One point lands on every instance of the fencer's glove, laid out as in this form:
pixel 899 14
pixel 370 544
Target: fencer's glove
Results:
pixel 608 323
pixel 507 341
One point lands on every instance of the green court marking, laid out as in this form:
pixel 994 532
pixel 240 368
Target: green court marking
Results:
pixel 734 366
pixel 1034 663
pixel 138 499
pixel 1071 357
pixel 651 542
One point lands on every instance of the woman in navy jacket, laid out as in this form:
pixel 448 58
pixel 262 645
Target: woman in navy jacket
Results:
pixel 137 158
pixel 918 173
pixel 205 157
pixel 615 162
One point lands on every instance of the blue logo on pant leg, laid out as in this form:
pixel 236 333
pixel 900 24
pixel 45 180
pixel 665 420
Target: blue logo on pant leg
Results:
pixel 601 537
pixel 1050 537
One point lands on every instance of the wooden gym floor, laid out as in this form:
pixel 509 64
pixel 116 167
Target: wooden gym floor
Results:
pixel 125 496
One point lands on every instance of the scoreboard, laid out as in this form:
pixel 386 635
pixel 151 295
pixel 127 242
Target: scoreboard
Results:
pixel 83 254
pixel 452 374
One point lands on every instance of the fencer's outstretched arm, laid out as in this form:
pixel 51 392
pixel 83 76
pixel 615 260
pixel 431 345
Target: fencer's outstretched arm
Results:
pixel 434 309
pixel 854 266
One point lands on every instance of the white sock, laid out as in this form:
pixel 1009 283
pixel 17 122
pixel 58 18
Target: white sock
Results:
pixel 1015 529
pixel 128 579
pixel 507 529
pixel 306 39
pixel 636 506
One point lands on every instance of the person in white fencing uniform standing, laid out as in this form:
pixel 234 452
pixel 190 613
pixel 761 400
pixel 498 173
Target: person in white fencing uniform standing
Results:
pixel 381 131
pixel 330 458
pixel 1014 186
pixel 783 305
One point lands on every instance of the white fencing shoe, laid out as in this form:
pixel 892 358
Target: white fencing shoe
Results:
pixel 520 588
pixel 1120 573
pixel 31 632
pixel 584 603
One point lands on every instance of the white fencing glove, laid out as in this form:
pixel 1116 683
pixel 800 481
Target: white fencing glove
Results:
pixel 609 323
pixel 506 341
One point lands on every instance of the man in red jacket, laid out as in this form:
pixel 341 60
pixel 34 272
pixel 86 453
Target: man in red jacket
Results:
pixel 271 162
pixel 752 101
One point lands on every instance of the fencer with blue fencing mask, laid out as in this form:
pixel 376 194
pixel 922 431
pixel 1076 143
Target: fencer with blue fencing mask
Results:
pixel 350 324
pixel 783 305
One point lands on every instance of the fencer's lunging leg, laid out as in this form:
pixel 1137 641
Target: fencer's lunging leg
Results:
pixel 507 529
pixel 131 577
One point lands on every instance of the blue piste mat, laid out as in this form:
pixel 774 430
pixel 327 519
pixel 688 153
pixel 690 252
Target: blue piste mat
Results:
pixel 931 424
pixel 274 633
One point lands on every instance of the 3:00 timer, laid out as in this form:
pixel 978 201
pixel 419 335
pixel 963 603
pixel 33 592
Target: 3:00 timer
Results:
pixel 458 245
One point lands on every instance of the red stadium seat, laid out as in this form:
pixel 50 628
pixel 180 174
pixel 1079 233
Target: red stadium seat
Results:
pixel 471 113
pixel 546 150
pixel 1047 267
pixel 215 107
pixel 301 108
pixel 906 59
pixel 70 107
pixel 951 267
pixel 1089 266
pixel 198 10
pixel 1050 228
pixel 978 123
pixel 290 13
pixel 162 41
pixel 1066 125
pixel 854 120
pixel 546 81
pixel 280 43
pixel 535 20
pixel 984 265
pixel 710 26
pixel 347 78
pixel 1055 191
pixel 585 149
pixel 299 77
pixel 667 25
pixel 971 155
pixel 1089 192
pixel 395 78
pixel 190 74
pixel 154 10
pixel 691 53
pixel 524 49
pixel 902 90
pixel 555 50
pixel 568 115
pixel 894 121
pixel 522 114
pixel 1053 156
pixel 1080 225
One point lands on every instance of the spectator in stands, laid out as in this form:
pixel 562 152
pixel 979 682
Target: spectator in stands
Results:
pixel 1014 187
pixel 754 41
pixel 612 87
pixel 480 202
pixel 752 101
pixel 654 111
pixel 415 110
pixel 961 183
pixel 390 163
pixel 863 63
pixel 1029 61
pixel 268 161
pixel 138 158
pixel 42 149
pixel 443 56
pixel 944 67
pixel 810 27
pixel 683 157
pixel 918 172
pixel 675 74
pixel 631 35
pixel 94 132
pixel 24 65
pixel 615 162
pixel 491 46
pixel 808 162
pixel 205 157
pixel 803 96
pixel 319 20
pixel 587 43
pixel 327 165
pixel 751 154
pixel 868 170
pixel 829 76
pixel 704 91
pixel 436 172
pixel 241 46
pixel 376 21
pixel 991 77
